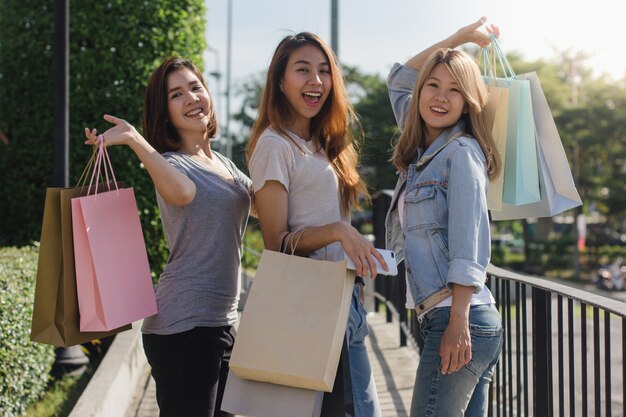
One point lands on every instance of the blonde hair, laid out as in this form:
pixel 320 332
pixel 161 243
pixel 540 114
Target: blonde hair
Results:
pixel 331 125
pixel 467 74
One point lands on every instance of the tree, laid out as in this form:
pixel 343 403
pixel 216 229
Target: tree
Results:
pixel 371 101
pixel 114 46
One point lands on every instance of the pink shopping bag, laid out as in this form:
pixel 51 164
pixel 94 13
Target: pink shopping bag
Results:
pixel 113 279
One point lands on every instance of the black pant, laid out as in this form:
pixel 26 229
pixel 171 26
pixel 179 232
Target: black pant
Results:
pixel 339 402
pixel 190 370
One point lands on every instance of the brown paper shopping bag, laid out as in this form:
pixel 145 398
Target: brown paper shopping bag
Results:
pixel 55 314
pixel 294 321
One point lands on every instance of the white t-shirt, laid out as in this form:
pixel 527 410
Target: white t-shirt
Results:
pixel 483 297
pixel 309 178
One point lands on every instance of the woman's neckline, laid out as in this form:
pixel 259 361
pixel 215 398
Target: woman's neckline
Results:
pixel 231 179
pixel 299 136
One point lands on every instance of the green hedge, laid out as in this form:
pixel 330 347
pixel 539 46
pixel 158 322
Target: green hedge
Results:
pixel 25 365
pixel 114 46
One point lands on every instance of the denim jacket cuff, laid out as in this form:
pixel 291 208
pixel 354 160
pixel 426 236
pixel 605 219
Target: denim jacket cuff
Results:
pixel 468 273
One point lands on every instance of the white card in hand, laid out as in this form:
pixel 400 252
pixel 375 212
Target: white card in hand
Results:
pixel 389 257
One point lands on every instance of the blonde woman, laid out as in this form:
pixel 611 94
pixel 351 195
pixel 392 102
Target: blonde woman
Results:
pixel 439 224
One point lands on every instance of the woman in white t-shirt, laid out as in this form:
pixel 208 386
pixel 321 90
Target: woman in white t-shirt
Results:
pixel 303 167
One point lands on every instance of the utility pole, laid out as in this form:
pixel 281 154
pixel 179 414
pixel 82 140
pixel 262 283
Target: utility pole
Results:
pixel 61 75
pixel 229 142
pixel 71 358
pixel 218 94
pixel 334 26
pixel 573 62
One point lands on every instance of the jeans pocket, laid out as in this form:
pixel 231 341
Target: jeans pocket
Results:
pixel 486 343
pixel 484 331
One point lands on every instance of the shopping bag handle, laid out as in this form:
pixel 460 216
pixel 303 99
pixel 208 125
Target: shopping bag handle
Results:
pixel 288 242
pixel 486 58
pixel 491 57
pixel 294 238
pixel 83 177
pixel 501 58
pixel 102 160
pixel 291 239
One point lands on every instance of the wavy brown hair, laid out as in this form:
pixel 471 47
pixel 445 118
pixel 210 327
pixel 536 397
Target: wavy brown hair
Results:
pixel 467 74
pixel 331 125
pixel 157 129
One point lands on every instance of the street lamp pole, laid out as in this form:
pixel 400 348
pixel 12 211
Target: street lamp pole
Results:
pixel 218 93
pixel 70 359
pixel 61 76
pixel 334 26
pixel 229 143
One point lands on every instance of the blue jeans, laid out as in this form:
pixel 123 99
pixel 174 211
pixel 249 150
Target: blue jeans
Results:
pixel 465 392
pixel 363 386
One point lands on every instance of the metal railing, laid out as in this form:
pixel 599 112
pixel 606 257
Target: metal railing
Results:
pixel 564 349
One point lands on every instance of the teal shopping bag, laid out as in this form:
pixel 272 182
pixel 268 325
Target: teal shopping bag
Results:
pixel 521 169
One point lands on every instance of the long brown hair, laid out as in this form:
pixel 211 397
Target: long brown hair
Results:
pixel 331 125
pixel 467 74
pixel 157 130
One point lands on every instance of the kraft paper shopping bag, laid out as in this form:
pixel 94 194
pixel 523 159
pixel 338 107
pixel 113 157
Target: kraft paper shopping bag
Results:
pixel 521 171
pixel 496 112
pixel 113 278
pixel 294 341
pixel 558 190
pixel 55 318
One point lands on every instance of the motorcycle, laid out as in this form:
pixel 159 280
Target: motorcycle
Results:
pixel 611 277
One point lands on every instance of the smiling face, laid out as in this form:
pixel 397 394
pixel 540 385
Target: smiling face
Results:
pixel 306 84
pixel 441 103
pixel 188 103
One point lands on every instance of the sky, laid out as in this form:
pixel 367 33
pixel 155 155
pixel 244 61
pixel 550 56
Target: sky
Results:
pixel 373 34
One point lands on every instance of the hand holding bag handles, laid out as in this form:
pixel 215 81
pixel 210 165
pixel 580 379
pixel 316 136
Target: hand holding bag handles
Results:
pixel 113 278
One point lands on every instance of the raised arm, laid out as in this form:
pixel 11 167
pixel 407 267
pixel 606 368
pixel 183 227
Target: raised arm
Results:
pixel 174 186
pixel 467 34
pixel 402 77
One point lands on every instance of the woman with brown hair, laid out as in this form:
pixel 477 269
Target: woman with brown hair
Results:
pixel 303 166
pixel 204 202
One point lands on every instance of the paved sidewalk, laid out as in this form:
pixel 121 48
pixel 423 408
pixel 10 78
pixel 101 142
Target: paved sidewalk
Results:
pixel 394 389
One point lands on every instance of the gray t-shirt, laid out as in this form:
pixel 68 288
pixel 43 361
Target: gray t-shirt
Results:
pixel 200 283
pixel 309 178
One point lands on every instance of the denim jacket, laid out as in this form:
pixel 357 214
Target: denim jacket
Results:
pixel 445 236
